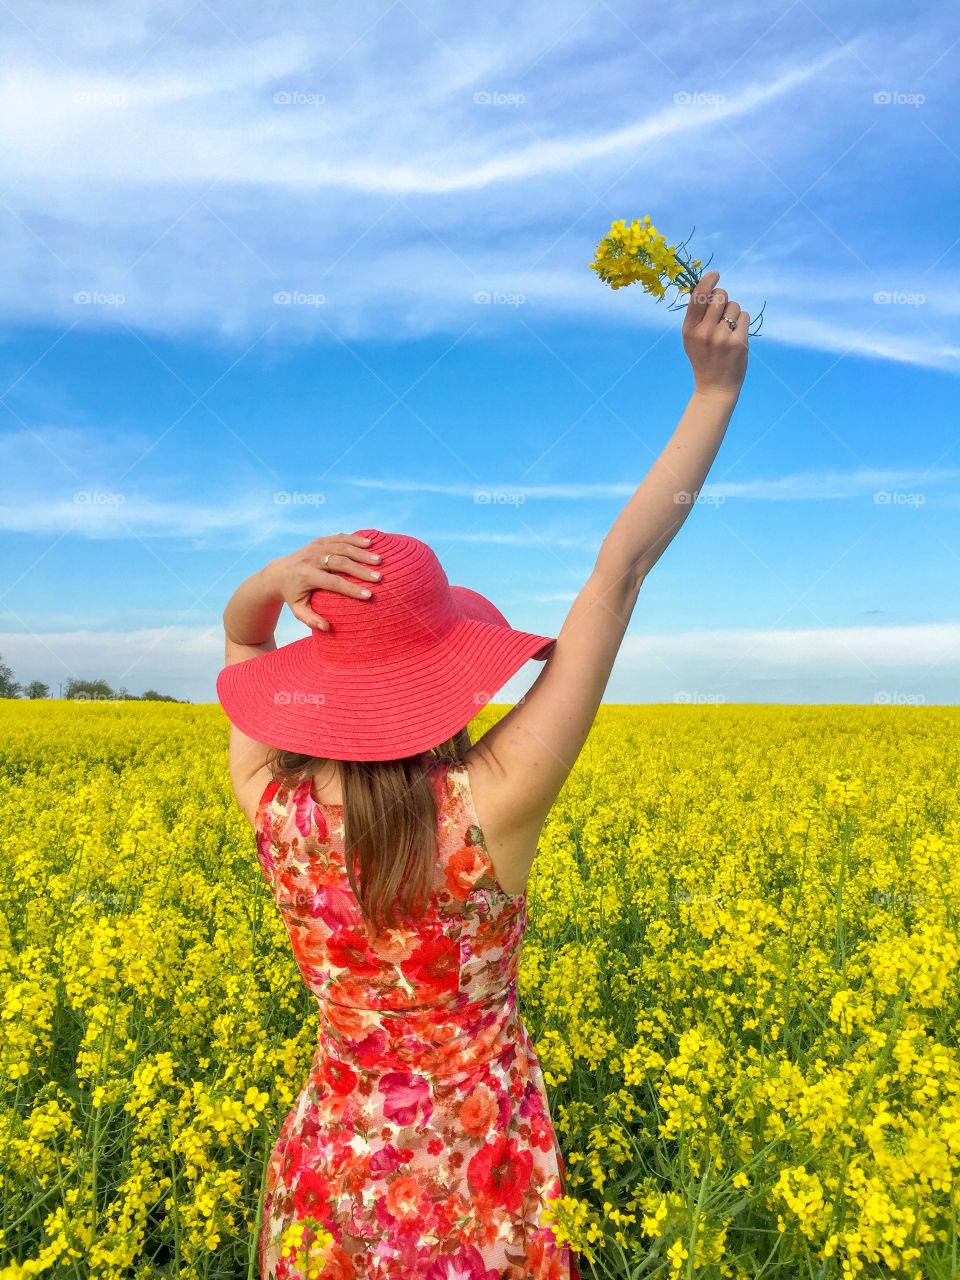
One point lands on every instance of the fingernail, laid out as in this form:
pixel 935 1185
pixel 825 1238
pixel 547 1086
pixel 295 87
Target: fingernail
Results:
pixel 365 591
pixel 377 557
pixel 378 576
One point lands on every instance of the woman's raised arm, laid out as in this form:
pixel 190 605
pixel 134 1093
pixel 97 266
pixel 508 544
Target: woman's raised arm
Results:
pixel 533 748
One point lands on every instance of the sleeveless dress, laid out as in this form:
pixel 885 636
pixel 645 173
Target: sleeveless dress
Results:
pixel 422 1140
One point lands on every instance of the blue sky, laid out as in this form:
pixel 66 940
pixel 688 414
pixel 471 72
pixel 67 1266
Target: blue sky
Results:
pixel 246 254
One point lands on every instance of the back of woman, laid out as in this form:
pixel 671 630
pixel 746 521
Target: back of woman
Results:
pixel 422 1053
pixel 421 1144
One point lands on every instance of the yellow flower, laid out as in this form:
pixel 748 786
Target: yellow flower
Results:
pixel 677 1254
pixel 573 1222
pixel 639 252
pixel 739 974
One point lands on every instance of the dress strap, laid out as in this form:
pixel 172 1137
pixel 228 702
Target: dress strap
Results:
pixel 285 813
pixel 468 859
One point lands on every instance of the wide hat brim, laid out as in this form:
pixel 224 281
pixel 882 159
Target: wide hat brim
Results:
pixel 388 707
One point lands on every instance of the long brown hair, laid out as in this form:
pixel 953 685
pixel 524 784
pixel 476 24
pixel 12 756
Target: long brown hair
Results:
pixel 389 825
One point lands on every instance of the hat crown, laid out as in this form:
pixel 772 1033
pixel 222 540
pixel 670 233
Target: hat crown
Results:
pixel 410 607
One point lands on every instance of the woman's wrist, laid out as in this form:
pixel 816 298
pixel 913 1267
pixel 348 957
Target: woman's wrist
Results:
pixel 717 395
pixel 269 577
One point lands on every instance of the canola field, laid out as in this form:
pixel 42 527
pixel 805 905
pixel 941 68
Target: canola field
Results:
pixel 742 974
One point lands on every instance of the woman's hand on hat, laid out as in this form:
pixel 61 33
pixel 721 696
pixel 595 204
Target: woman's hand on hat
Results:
pixel 303 571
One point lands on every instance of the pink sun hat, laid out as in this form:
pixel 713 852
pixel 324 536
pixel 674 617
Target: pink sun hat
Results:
pixel 395 675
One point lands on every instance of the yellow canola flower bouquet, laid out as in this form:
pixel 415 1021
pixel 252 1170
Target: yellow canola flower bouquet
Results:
pixel 639 252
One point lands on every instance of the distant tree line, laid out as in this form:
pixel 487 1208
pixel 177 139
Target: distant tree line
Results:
pixel 79 690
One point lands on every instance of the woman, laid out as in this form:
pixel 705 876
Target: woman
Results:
pixel 421 1144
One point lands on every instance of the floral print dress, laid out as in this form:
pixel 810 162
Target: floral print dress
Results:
pixel 422 1140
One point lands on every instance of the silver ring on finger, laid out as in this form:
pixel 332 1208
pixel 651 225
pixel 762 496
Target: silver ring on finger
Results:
pixel 731 321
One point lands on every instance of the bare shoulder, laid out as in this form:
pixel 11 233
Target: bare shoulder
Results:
pixel 511 839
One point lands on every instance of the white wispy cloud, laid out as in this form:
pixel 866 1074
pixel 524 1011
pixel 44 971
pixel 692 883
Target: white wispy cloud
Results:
pixel 510 539
pixel 894 665
pixel 881 665
pixel 830 650
pixel 53 113
pixel 908 343
pixel 189 166
pixel 102 493
pixel 100 513
pixel 544 156
pixel 810 486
